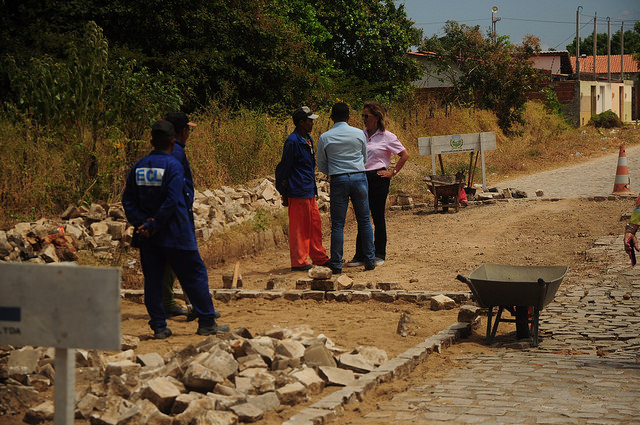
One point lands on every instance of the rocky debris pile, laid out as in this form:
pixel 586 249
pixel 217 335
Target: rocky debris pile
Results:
pixel 225 379
pixel 494 193
pixel 102 228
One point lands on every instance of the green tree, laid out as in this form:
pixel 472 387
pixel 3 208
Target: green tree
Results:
pixel 85 95
pixel 266 54
pixel 494 76
pixel 368 43
pixel 631 43
pixel 239 52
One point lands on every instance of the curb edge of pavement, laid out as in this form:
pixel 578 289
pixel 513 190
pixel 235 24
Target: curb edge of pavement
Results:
pixel 332 406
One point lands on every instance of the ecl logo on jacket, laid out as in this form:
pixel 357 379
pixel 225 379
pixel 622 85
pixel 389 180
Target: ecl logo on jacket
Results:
pixel 149 176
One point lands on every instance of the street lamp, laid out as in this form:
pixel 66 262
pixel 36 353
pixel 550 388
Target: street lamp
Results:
pixel 494 9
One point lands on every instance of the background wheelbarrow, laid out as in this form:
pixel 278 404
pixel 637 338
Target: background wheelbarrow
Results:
pixel 446 190
pixel 522 290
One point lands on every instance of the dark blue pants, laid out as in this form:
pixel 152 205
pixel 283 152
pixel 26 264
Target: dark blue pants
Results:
pixel 190 271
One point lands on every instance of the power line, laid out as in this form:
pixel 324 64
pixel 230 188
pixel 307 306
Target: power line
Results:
pixel 572 35
pixel 529 20
pixel 444 22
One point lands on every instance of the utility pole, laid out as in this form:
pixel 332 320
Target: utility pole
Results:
pixel 595 44
pixel 578 42
pixel 494 19
pixel 608 49
pixel 622 52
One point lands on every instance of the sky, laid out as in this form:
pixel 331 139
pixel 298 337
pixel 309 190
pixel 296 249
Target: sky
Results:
pixel 552 21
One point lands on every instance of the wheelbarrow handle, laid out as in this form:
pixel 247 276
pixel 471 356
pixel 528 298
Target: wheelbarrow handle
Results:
pixel 464 279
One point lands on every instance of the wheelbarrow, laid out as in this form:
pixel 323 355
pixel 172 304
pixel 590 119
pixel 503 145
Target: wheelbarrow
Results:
pixel 446 190
pixel 522 290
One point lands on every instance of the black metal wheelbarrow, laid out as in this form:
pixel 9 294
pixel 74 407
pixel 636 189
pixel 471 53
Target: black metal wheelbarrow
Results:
pixel 522 290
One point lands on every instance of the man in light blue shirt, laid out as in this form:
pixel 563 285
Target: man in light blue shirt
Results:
pixel 342 153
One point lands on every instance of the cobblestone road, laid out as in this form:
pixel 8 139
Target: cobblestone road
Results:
pixel 590 178
pixel 586 369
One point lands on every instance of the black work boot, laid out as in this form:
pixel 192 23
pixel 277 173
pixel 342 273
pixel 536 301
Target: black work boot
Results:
pixel 212 329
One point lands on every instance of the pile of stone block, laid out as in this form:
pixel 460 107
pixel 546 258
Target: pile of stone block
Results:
pixel 101 228
pixel 225 379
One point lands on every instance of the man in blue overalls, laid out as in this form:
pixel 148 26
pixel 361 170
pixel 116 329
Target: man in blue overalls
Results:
pixel 154 203
pixel 182 125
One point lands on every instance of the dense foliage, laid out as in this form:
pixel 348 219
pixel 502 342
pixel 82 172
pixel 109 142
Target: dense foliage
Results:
pixel 483 73
pixel 264 54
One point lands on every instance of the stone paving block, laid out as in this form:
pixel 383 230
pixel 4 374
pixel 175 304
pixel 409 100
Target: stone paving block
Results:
pixel 292 394
pixel 360 296
pixel 336 376
pixel 355 362
pixel 247 412
pixel 340 296
pixel 23 361
pixel 322 285
pixel 292 295
pixel 313 295
pixel 272 295
pixel 249 294
pixel 410 297
pixel 399 367
pixel 416 354
pixel 304 283
pixel 384 297
pixel 304 418
pixel 382 375
pixel 330 402
pixel 225 295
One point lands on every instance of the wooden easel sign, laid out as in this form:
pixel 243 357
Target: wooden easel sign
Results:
pixel 458 143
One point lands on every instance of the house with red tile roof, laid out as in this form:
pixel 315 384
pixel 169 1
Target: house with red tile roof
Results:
pixel 612 85
pixel 605 65
pixel 581 98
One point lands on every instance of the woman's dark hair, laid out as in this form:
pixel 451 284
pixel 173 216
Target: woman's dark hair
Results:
pixel 376 109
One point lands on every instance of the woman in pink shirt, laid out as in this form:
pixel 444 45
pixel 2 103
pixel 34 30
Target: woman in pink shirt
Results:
pixel 381 145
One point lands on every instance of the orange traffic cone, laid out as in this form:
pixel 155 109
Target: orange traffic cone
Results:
pixel 622 182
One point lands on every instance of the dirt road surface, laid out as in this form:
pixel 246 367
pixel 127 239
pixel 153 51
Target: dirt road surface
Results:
pixel 425 251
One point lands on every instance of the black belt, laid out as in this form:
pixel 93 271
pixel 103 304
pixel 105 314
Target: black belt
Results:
pixel 347 174
pixel 375 172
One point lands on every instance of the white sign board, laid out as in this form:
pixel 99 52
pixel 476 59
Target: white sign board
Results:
pixel 457 143
pixel 62 306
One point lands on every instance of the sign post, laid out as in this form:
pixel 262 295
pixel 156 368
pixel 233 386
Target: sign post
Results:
pixel 456 143
pixel 61 306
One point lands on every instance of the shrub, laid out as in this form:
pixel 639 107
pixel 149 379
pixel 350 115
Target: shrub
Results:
pixel 606 119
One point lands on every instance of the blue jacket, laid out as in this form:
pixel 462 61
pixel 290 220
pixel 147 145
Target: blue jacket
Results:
pixel 179 154
pixel 155 189
pixel 297 167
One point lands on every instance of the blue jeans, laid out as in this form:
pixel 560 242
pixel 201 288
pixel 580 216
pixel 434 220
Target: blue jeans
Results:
pixel 343 187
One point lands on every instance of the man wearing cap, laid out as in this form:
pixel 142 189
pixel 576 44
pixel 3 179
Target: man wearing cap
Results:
pixel 342 153
pixel 182 126
pixel 296 182
pixel 154 203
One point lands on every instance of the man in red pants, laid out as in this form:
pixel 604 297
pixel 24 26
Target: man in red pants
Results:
pixel 296 182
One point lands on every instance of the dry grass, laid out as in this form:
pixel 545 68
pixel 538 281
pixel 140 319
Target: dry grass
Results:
pixel 43 172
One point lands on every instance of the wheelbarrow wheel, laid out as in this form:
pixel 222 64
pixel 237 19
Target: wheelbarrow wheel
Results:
pixel 522 321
